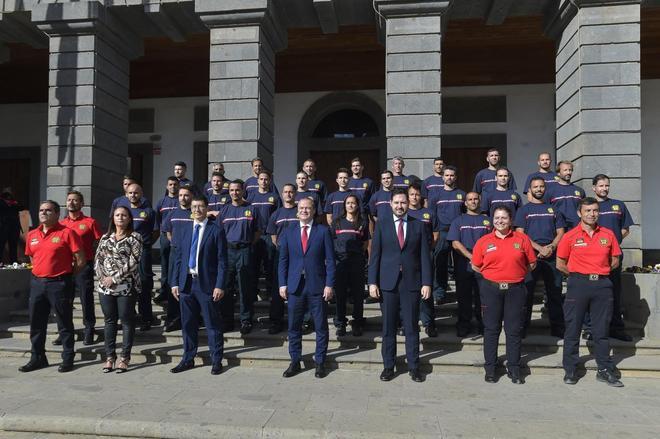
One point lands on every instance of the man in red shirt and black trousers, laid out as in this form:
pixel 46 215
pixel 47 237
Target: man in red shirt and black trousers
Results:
pixel 587 254
pixel 56 254
pixel 89 232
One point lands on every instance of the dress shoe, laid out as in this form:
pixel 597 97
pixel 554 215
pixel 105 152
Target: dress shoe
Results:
pixel 387 374
pixel 292 370
pixel 357 330
pixel 462 332
pixel 307 328
pixel 416 376
pixel 34 364
pixel 57 341
pixel 400 332
pixel 490 378
pixel 341 331
pixel 320 371
pixel 587 335
pixel 570 378
pixel 172 326
pixel 431 330
pixel 65 367
pixel 146 326
pixel 182 367
pixel 275 328
pixel 246 328
pixel 607 376
pixel 620 335
pixel 161 298
pixel 515 378
pixel 88 338
pixel 216 369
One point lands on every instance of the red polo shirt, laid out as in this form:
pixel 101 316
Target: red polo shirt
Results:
pixel 52 252
pixel 87 229
pixel 588 254
pixel 503 259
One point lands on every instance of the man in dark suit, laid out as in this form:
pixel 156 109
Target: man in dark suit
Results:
pixel 306 273
pixel 200 266
pixel 399 269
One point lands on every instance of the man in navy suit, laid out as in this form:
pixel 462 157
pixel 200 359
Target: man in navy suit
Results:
pixel 399 269
pixel 200 266
pixel 306 272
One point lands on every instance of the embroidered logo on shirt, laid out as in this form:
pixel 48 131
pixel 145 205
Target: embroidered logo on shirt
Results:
pixel 550 210
pixel 55 239
pixel 577 193
pixel 271 199
pixel 615 207
pixel 406 181
pixel 365 185
pixel 580 243
pixel 514 197
pixel 486 223
pixel 82 227
pixel 34 241
pixel 226 184
pixel 603 241
pixel 248 213
pixel 516 245
pixel 459 196
pixel 427 215
pixel 556 177
pixel 317 186
pixel 143 214
pixel 490 248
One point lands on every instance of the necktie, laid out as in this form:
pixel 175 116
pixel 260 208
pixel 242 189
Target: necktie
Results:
pixel 192 259
pixel 304 238
pixel 400 233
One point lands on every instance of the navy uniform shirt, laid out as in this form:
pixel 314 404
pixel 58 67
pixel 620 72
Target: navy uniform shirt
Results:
pixel 144 222
pixel 240 223
pixel 379 204
pixel 217 202
pixel 549 178
pixel 362 187
pixel 447 205
pixel 123 202
pixel 177 221
pixel 614 215
pixel 540 222
pixel 431 185
pixel 252 184
pixel 348 239
pixel 264 205
pixel 467 229
pixel 485 181
pixel 224 190
pixel 429 219
pixel 565 199
pixel 164 209
pixel 494 199
pixel 334 204
pixel 401 181
pixel 318 207
pixel 281 219
pixel 319 187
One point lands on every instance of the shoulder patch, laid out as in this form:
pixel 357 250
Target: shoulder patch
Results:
pixel 604 241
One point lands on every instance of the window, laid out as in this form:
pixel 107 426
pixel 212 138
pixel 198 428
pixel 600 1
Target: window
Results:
pixel 201 119
pixel 346 124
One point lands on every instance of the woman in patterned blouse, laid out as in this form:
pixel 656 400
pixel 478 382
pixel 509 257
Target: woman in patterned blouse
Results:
pixel 117 281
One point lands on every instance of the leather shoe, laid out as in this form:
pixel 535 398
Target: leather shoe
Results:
pixel 292 370
pixel 431 330
pixel 146 326
pixel 246 328
pixel 489 378
pixel 607 376
pixel 275 328
pixel 34 364
pixel 216 369
pixel 173 326
pixel 320 371
pixel 88 338
pixel 570 378
pixel 620 335
pixel 57 341
pixel 587 335
pixel 416 376
pixel 341 331
pixel 307 328
pixel 182 367
pixel 65 367
pixel 387 374
pixel 515 378
pixel 400 332
pixel 357 329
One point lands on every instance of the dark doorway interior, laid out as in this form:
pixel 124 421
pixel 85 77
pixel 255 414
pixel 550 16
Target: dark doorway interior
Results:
pixel 328 162
pixel 140 166
pixel 468 153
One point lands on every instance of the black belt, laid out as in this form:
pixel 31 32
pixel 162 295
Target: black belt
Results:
pixel 503 286
pixel 591 277
pixel 54 278
pixel 237 245
pixel 193 276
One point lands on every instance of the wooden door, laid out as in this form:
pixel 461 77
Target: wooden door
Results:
pixel 469 161
pixel 327 163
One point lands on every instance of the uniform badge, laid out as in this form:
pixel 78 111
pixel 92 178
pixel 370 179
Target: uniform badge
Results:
pixel 427 215
pixel 191 216
pixel 406 181
pixel 486 223
pixel 615 207
pixel 491 248
pixel 248 213
pixel 271 199
pixel 82 227
pixel 317 186
pixel 578 193
pixel 580 243
pixel 55 239
pixel 143 214
pixel 557 177
pixel 223 200
pixel 34 241
pixel 603 241
pixel 365 185
pixel 459 196
pixel 226 184
pixel 514 197
pixel 551 210
pixel 516 245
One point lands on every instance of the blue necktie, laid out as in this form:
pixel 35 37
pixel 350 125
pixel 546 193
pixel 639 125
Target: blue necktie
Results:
pixel 192 259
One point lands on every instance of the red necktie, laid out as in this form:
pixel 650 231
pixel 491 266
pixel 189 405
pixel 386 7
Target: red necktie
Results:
pixel 304 239
pixel 400 233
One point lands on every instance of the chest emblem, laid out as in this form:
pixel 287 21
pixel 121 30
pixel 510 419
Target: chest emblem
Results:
pixel 459 196
pixel 551 210
pixel 225 185
pixel 514 197
pixel 143 214
pixel 427 215
pixel 491 248
pixel 577 193
pixel 248 213
pixel 406 181
pixel 34 241
pixel 55 239
pixel 615 207
pixel 486 223
pixel 271 199
pixel 82 227
pixel 603 241
pixel 365 185
pixel 580 243
pixel 317 186
pixel 556 178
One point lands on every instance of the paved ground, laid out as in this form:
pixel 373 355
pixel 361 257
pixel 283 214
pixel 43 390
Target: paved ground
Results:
pixel 257 402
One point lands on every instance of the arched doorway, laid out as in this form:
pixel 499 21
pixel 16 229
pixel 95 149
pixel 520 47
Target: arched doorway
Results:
pixel 337 128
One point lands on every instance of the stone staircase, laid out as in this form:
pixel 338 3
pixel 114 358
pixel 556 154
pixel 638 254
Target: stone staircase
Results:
pixel 541 352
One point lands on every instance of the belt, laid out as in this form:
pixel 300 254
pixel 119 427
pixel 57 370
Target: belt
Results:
pixel 54 278
pixel 503 286
pixel 591 277
pixel 237 245
pixel 193 276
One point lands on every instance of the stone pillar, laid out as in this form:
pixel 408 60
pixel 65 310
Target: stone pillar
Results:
pixel 598 100
pixel 413 33
pixel 242 81
pixel 87 102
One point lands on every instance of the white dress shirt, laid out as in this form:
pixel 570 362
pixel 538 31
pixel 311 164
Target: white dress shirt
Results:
pixel 396 225
pixel 309 229
pixel 195 270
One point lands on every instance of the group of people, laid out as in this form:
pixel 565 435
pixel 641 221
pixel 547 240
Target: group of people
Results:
pixel 312 246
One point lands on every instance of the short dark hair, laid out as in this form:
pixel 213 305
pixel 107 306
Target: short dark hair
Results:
pixel 55 204
pixel 340 170
pixel 201 198
pixel 237 181
pixel 185 187
pixel 599 177
pixel 78 194
pixel 293 186
pixel 267 172
pixel 450 168
pixel 256 159
pixel 533 179
pixel 387 171
pixel 309 159
pixel 356 159
pixel 415 185
pixel 506 209
pixel 128 177
pixel 181 164
pixel 502 168
pixel 172 178
pixel 492 150
pixel 400 191
pixel 586 201
pixel 217 174
pixel 438 159
pixel 563 162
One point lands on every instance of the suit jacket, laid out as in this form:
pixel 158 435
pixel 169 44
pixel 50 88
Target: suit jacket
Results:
pixel 318 263
pixel 388 259
pixel 212 260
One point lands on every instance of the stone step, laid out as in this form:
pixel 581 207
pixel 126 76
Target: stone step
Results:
pixel 343 358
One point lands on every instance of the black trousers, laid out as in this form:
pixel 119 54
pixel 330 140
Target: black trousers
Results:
pixel 467 293
pixel 497 306
pixel 349 282
pixel 238 281
pixel 263 254
pixel 546 269
pixel 55 293
pixel 147 280
pixel 582 296
pixel 9 235
pixel 165 255
pixel 115 308
pixel 616 325
pixel 408 302
pixel 173 308
pixel 276 310
pixel 84 282
pixel 441 254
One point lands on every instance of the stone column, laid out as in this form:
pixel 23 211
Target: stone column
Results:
pixel 598 100
pixel 87 101
pixel 413 33
pixel 244 39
